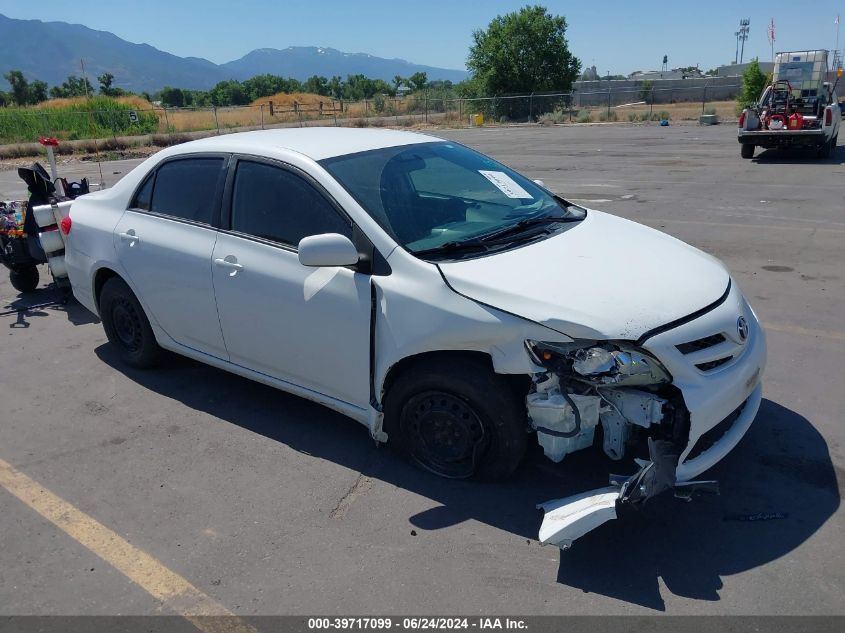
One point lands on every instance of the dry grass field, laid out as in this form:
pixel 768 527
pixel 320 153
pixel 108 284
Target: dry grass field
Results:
pixel 687 111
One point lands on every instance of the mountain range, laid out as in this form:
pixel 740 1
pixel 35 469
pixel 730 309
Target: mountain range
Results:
pixel 50 51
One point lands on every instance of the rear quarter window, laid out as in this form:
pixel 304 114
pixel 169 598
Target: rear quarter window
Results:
pixel 144 195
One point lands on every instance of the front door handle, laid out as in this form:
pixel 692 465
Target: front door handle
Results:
pixel 230 262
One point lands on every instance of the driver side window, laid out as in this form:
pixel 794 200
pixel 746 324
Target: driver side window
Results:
pixel 275 204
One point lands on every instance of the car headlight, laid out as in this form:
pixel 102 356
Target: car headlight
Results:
pixel 602 363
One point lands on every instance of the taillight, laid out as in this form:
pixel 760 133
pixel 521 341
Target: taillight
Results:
pixel 66 224
pixel 828 116
pixel 742 119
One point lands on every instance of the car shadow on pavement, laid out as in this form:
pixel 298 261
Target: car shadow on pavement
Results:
pixel 778 487
pixel 800 156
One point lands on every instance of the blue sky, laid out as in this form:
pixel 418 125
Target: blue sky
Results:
pixel 615 35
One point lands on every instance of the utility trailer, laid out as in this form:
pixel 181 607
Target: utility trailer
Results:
pixel 33 231
pixel 799 109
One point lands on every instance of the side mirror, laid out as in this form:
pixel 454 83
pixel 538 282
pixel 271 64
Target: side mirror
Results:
pixel 537 181
pixel 328 249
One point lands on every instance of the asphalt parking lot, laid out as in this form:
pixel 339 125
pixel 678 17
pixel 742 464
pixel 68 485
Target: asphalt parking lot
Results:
pixel 269 504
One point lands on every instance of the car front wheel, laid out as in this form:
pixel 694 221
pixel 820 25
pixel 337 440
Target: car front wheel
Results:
pixel 457 420
pixel 126 325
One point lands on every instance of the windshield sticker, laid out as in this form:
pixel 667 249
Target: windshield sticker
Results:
pixel 505 184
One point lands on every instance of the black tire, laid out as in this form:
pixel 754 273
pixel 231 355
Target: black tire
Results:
pixel 24 278
pixel 457 419
pixel 126 325
pixel 824 150
pixel 746 150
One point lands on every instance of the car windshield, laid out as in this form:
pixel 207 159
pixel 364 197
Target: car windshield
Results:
pixel 431 195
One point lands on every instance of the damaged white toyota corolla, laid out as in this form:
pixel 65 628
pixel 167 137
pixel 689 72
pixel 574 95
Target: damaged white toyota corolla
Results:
pixel 448 303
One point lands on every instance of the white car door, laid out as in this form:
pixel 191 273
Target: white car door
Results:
pixel 165 241
pixel 307 326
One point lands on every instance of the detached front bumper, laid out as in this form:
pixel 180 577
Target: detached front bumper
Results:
pixel 717 362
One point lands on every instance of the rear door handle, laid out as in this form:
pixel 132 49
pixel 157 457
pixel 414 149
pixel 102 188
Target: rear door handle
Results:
pixel 129 236
pixel 231 263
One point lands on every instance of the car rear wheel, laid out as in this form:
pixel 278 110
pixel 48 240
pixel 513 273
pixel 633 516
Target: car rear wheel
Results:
pixel 126 325
pixel 457 420
pixel 746 150
pixel 24 278
pixel 824 150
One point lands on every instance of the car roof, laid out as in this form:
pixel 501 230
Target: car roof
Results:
pixel 316 143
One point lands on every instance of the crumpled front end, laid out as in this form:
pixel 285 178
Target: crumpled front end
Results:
pixel 683 396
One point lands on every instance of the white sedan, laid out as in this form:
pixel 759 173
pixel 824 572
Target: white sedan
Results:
pixel 448 303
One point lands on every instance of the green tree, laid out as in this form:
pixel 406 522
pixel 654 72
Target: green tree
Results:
pixel 72 87
pixel 523 52
pixel 754 81
pixel 316 84
pixel 173 97
pixel 267 85
pixel 37 91
pixel 417 81
pixel 229 92
pixel 106 88
pixel 469 88
pixel 336 87
pixel 646 90
pixel 20 87
pixel 397 82
pixel 357 87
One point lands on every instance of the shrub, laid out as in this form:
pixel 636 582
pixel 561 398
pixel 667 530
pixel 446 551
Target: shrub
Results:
pixel 585 117
pixel 710 111
pixel 550 118
pixel 663 114
pixel 646 90
pixel 378 103
pixel 606 116
pixel 96 118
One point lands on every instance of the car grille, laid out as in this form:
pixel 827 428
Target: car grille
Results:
pixel 716 433
pixel 713 364
pixel 721 351
pixel 701 343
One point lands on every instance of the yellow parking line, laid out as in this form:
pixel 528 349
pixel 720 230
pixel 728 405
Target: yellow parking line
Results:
pixel 803 331
pixel 157 580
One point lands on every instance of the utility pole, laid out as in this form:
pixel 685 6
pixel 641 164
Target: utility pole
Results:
pixel 744 27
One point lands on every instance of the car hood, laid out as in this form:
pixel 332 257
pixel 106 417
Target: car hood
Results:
pixel 604 277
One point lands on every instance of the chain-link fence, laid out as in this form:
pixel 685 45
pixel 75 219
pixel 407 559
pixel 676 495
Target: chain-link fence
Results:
pixel 26 125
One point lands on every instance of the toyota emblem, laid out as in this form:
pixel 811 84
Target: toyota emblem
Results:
pixel 742 328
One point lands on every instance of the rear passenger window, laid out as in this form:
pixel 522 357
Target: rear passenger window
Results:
pixel 186 188
pixel 278 205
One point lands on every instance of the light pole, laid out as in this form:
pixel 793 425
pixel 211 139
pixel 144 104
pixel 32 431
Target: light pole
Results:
pixel 744 27
pixel 736 54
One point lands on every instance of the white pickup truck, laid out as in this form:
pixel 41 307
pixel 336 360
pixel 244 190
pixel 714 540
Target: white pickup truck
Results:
pixel 798 110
